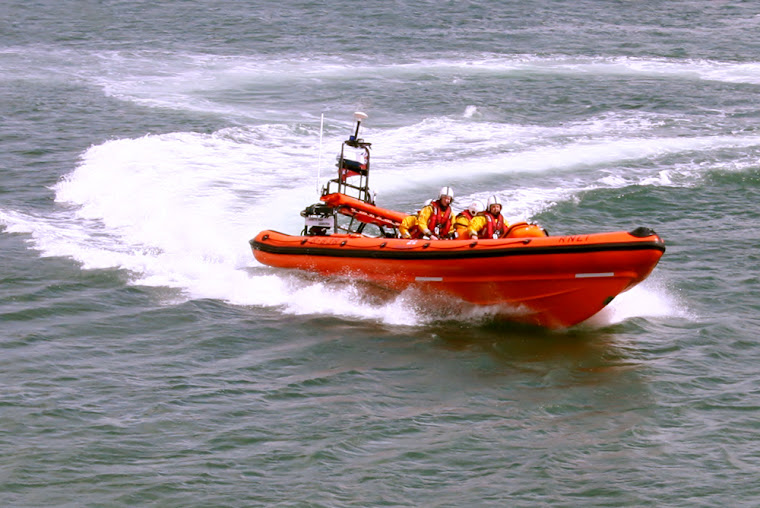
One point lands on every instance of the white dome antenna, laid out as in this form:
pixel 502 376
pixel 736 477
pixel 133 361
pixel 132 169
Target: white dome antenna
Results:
pixel 359 116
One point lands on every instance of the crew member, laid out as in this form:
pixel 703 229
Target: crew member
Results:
pixel 435 220
pixel 462 220
pixel 489 224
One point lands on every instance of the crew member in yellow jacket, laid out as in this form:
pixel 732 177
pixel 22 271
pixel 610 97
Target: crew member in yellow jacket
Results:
pixel 489 224
pixel 462 220
pixel 436 219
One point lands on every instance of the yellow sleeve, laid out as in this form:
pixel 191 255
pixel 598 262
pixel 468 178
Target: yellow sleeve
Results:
pixel 476 224
pixel 461 223
pixel 408 222
pixel 423 218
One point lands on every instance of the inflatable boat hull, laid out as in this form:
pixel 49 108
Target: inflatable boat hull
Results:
pixel 551 281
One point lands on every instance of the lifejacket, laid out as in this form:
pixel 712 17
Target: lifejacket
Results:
pixel 466 214
pixel 494 225
pixel 462 222
pixel 440 220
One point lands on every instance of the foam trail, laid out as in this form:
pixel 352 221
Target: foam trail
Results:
pixel 176 210
pixel 200 82
pixel 176 80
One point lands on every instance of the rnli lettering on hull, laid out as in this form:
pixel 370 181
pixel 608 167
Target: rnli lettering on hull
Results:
pixel 324 240
pixel 573 239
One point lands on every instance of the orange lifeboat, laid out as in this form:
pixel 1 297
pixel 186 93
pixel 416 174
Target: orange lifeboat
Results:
pixel 550 281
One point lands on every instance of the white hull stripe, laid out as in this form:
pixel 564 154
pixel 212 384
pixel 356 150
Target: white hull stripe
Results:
pixel 429 279
pixel 588 275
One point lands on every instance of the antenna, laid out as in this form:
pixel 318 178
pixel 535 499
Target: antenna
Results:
pixel 359 116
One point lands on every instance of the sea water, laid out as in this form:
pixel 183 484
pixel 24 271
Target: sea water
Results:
pixel 149 360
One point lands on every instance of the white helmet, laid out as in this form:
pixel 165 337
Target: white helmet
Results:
pixel 476 206
pixel 446 191
pixel 493 200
